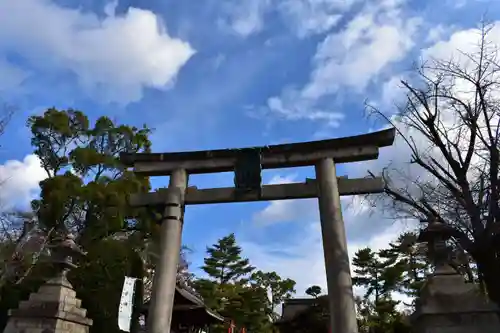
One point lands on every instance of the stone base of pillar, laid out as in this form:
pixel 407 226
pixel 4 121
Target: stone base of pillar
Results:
pixel 449 305
pixel 53 309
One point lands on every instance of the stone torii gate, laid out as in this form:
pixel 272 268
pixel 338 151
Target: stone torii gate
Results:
pixel 247 164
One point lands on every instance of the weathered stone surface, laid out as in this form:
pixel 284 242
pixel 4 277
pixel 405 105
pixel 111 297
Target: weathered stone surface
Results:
pixel 53 309
pixel 449 305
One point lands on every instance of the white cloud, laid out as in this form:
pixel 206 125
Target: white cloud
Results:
pixel 116 56
pixel 285 211
pixel 19 181
pixel 438 33
pixel 278 179
pixel 280 211
pixel 457 3
pixel 376 37
pixel 292 105
pixel 391 91
pixel 461 43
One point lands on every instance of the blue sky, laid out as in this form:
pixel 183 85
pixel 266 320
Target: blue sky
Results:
pixel 219 74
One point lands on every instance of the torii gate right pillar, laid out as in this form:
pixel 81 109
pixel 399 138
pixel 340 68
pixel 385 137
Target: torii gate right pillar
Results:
pixel 338 274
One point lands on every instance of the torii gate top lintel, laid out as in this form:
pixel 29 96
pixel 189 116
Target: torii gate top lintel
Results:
pixel 343 150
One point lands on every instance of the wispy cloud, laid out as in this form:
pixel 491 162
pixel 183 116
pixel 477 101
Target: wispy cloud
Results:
pixel 303 17
pixel 379 35
pixel 311 17
pixel 246 17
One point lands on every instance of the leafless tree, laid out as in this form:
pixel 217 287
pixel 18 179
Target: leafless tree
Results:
pixel 450 123
pixel 21 240
pixel 22 243
pixel 184 277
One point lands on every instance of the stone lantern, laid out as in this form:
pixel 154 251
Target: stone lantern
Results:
pixel 54 308
pixel 447 304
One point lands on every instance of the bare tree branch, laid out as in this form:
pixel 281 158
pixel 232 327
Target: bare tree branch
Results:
pixel 450 123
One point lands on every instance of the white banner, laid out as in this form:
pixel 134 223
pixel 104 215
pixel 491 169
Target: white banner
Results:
pixel 126 302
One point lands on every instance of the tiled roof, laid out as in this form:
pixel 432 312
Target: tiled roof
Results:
pixel 293 307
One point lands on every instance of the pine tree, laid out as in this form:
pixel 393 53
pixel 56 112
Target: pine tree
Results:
pixel 373 274
pixel 409 260
pixel 381 317
pixel 227 288
pixel 314 291
pixel 380 274
pixel 224 263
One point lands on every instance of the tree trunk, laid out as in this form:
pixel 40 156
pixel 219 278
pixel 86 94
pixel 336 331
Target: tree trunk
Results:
pixel 489 268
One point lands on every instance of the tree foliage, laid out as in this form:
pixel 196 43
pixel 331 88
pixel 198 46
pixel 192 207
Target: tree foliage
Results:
pixel 377 276
pixel 239 292
pixel 380 274
pixel 102 272
pixel 224 262
pixel 86 193
pixel 409 263
pixel 381 316
pixel 313 291
pixel 276 289
pixel 87 189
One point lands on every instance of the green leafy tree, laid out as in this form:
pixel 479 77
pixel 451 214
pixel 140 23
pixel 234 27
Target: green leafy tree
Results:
pixel 276 289
pixel 86 193
pixel 314 291
pixel 228 274
pixel 102 272
pixel 87 189
pixel 380 317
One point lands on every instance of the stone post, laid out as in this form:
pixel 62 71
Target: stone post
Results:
pixel 338 274
pixel 54 308
pixel 162 296
pixel 447 304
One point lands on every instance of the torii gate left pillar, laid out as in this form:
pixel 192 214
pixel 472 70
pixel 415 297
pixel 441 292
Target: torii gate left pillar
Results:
pixel 338 272
pixel 162 296
pixel 324 155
